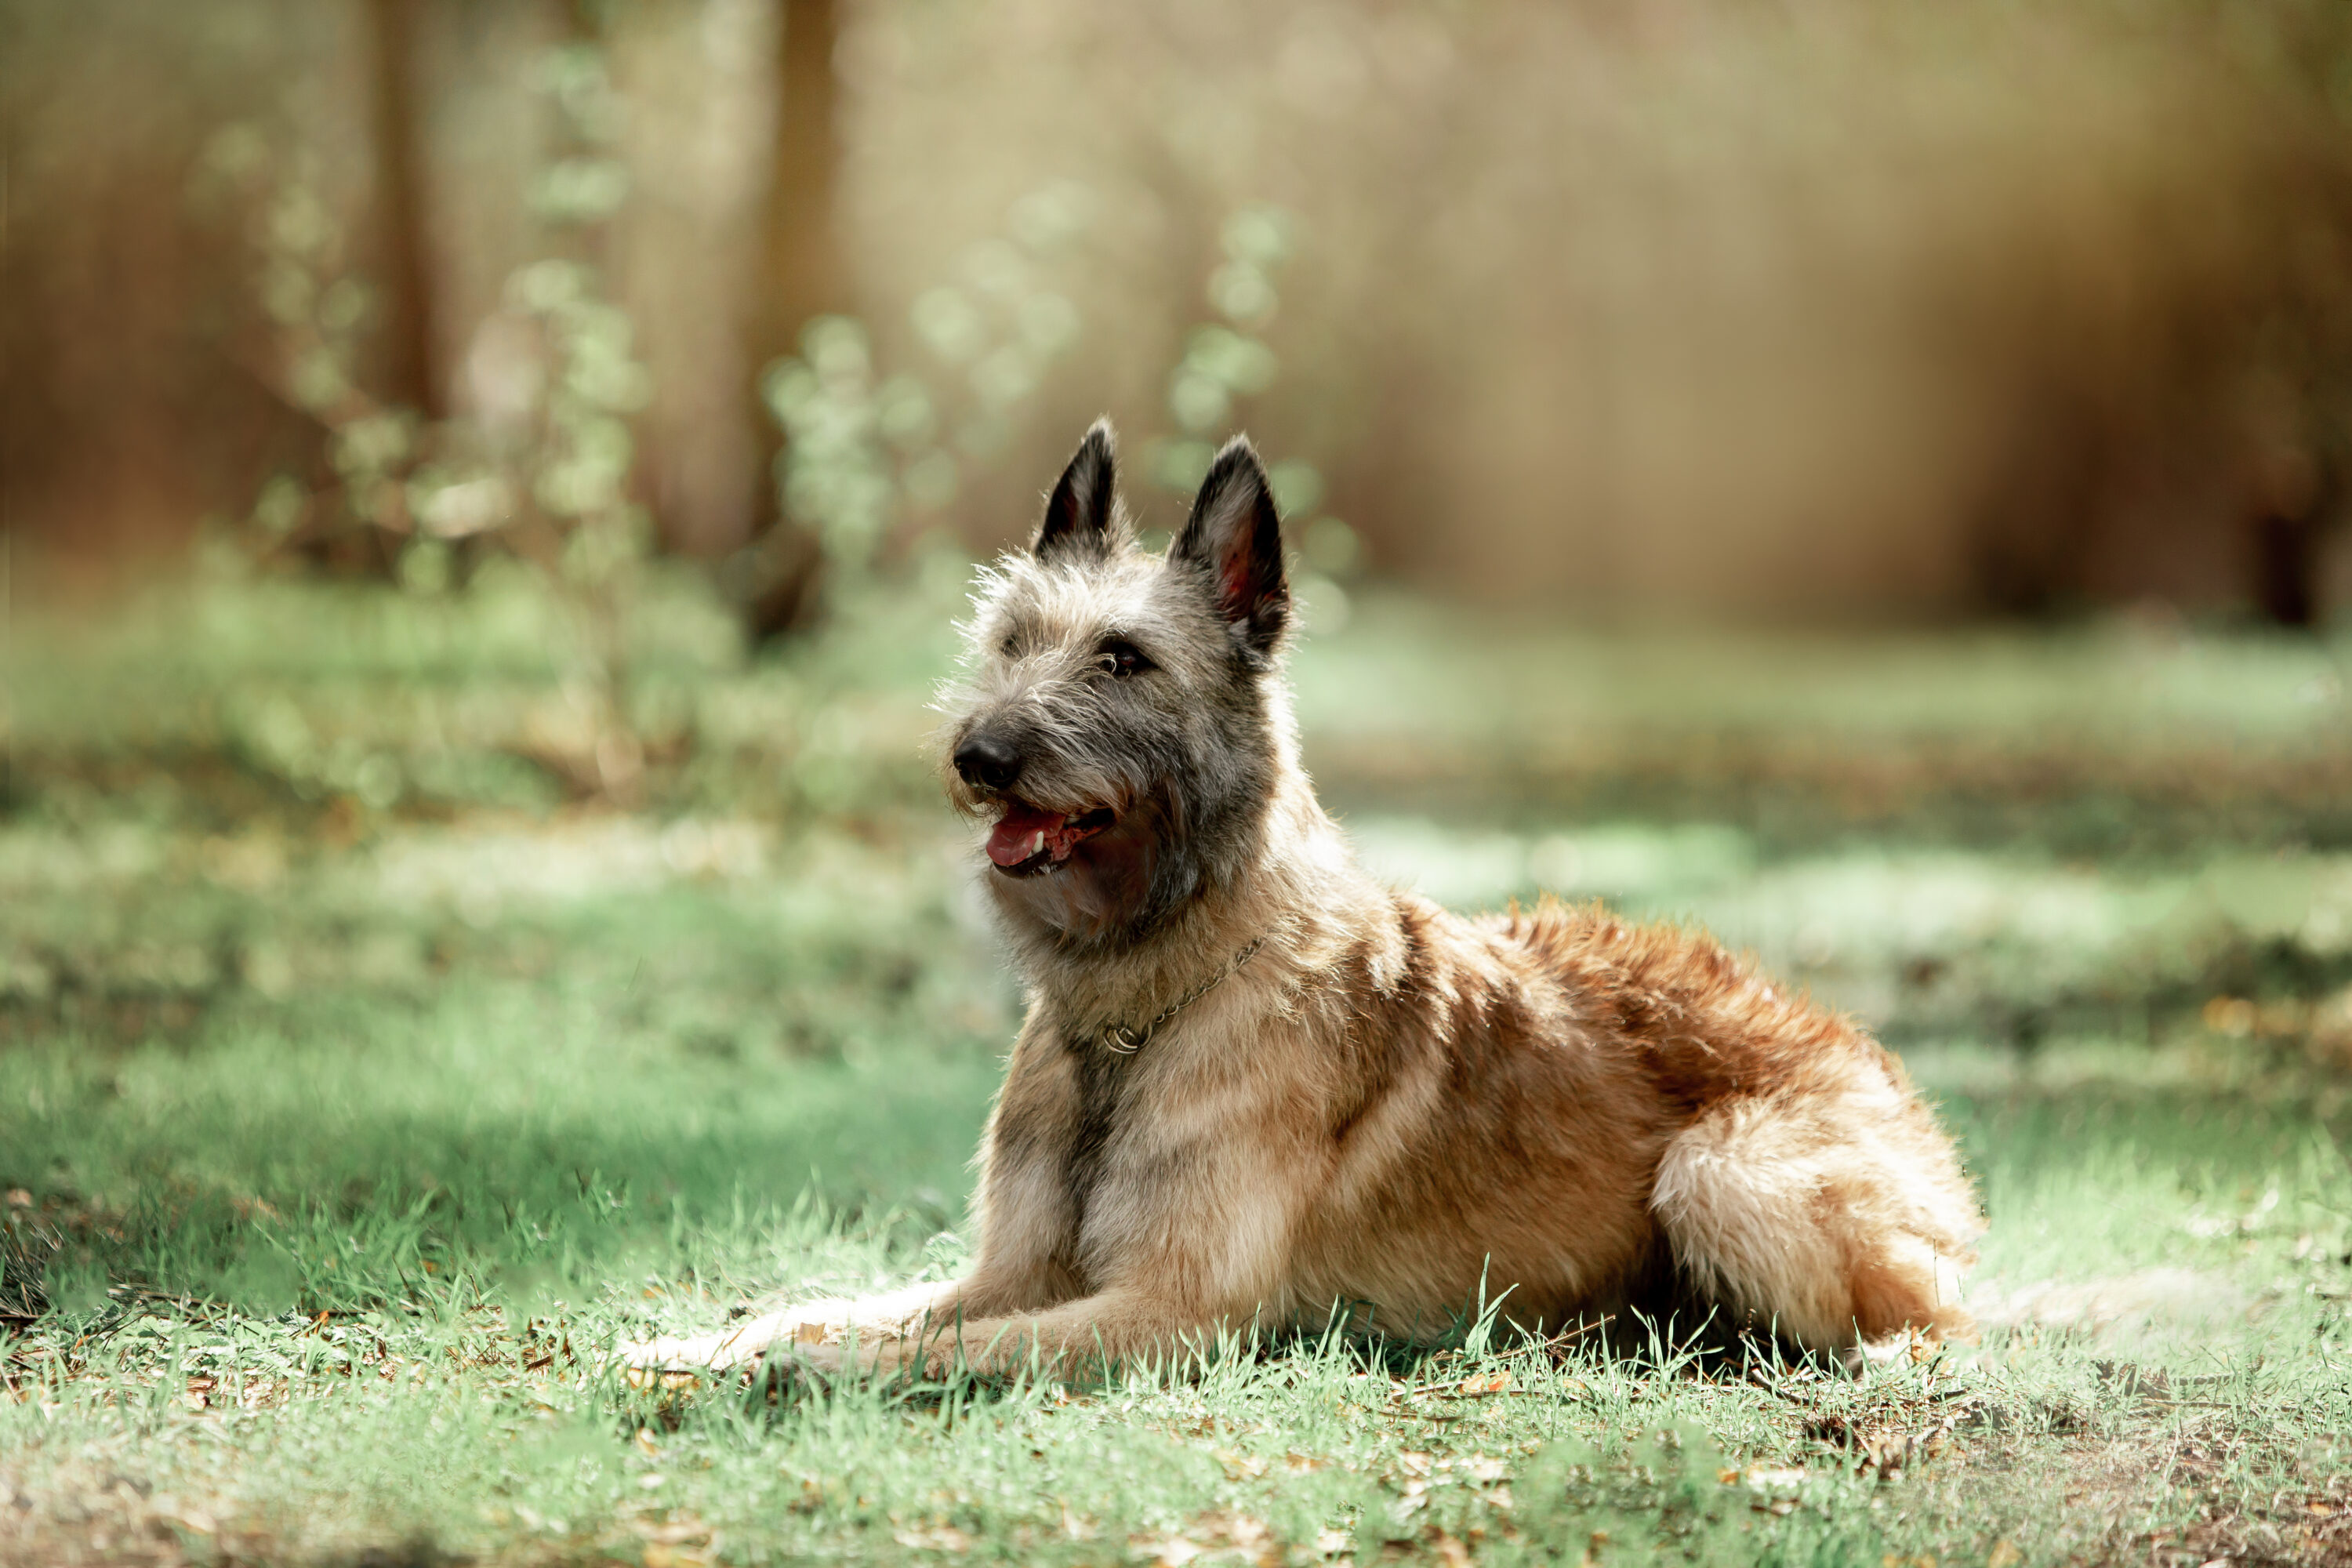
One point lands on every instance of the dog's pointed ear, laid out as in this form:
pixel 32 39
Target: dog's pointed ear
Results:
pixel 1233 539
pixel 1081 512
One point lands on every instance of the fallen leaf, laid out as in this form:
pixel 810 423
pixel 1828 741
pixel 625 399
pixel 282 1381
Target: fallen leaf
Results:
pixel 193 1520
pixel 2003 1555
pixel 1456 1555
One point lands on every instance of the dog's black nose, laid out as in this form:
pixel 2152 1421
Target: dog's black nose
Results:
pixel 987 762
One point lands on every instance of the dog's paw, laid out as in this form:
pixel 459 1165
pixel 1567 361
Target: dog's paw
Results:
pixel 674 1363
pixel 706 1352
pixel 743 1351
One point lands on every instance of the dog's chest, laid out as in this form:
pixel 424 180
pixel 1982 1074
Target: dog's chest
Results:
pixel 1101 1082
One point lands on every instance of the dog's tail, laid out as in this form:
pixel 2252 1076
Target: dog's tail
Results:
pixel 1831 1223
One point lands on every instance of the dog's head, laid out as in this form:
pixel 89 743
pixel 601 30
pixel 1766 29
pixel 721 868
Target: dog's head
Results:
pixel 1119 720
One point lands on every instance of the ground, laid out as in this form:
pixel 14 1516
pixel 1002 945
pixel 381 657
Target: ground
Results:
pixel 373 1054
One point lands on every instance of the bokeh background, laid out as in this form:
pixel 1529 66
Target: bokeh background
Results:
pixel 1778 311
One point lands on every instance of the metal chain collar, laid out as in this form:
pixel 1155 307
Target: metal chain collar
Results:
pixel 1120 1039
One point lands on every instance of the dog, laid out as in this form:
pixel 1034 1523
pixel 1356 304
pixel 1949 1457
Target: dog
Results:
pixel 1254 1087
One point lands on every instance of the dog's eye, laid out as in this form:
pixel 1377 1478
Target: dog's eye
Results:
pixel 1121 660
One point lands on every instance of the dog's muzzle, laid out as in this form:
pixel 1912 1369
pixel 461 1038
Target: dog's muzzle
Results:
pixel 987 761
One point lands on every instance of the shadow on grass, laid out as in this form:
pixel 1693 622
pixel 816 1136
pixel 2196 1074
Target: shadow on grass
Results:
pixel 487 1139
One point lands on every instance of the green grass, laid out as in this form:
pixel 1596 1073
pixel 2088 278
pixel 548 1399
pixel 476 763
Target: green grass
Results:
pixel 340 1127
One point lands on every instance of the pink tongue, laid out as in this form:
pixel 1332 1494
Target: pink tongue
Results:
pixel 1021 834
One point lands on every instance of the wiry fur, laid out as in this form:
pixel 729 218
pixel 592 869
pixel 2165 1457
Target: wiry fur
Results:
pixel 1390 1106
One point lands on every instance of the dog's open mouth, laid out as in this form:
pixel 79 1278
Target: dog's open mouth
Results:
pixel 1029 839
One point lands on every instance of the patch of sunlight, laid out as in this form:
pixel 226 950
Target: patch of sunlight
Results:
pixel 40 859
pixel 564 862
pixel 1480 869
pixel 1438 672
pixel 1875 906
pixel 1452 867
pixel 1933 938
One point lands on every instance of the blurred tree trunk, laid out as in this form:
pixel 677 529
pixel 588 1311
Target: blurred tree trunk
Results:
pixel 802 274
pixel 411 376
pixel 2288 535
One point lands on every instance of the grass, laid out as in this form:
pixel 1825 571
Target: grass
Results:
pixel 342 1122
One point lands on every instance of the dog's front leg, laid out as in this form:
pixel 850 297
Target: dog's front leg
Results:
pixel 1024 1223
pixel 809 1323
pixel 1091 1334
pixel 1000 1284
pixel 1188 1259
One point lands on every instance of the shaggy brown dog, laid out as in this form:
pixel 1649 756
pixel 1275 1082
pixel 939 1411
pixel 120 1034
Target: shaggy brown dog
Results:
pixel 1254 1084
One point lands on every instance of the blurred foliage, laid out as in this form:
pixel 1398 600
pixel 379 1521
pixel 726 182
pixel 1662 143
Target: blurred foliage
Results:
pixel 872 459
pixel 541 470
pixel 864 451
